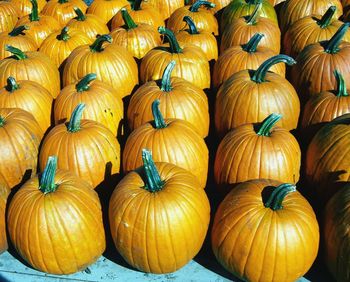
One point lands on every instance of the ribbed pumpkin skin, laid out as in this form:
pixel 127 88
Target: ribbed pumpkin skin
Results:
pixel 336 235
pixel 178 144
pixel 106 9
pixel 166 7
pixel 19 142
pixel 8 16
pixel 60 232
pixel 114 65
pixel 275 95
pixel 4 192
pixel 25 7
pixel 31 97
pixel 184 101
pixel 258 244
pixel 169 226
pixel 103 105
pixel 90 152
pixel 37 67
pixel 244 155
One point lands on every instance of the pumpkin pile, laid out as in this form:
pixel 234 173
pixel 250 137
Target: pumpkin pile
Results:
pixel 166 115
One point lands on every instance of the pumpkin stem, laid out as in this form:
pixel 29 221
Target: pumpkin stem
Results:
pixel 47 179
pixel 327 17
pixel 157 115
pixel 83 84
pixel 18 30
pixel 34 15
pixel 332 46
pixel 153 181
pixel 260 74
pixel 17 53
pixel 253 43
pixel 267 124
pixel 276 198
pixel 192 26
pixel 75 120
pixel 11 85
pixel 166 78
pixel 341 86
pixel 174 44
pixel 195 6
pixel 129 22
pixel 137 5
pixel 62 1
pixel 80 15
pixel 64 36
pixel 251 20
pixel 2 121
pixel 97 45
pixel 253 2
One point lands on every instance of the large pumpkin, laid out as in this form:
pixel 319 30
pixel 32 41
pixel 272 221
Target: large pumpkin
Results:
pixel 166 7
pixel 160 209
pixel 106 9
pixel 55 222
pixel 265 230
pixel 24 6
pixel 8 16
pixel 4 192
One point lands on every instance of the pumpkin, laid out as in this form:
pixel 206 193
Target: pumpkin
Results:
pixel 248 96
pixel 171 140
pixel 203 18
pixel 257 151
pixel 59 45
pixel 29 96
pixel 141 12
pixel 203 39
pixel 171 221
pixel 241 57
pixel 103 103
pixel 85 147
pixel 111 63
pixel 178 98
pixel 166 7
pixel 191 61
pixel 17 39
pixel 25 6
pixel 39 27
pixel 242 29
pixel 63 10
pixel 30 65
pixel 55 222
pixel 327 161
pixel 336 235
pixel 293 10
pixel 309 30
pixel 309 76
pixel 4 192
pixel 20 136
pixel 106 9
pixel 265 230
pixel 137 38
pixel 89 24
pixel 8 16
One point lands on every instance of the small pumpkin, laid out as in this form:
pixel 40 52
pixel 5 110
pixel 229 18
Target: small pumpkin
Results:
pixel 272 238
pixel 4 192
pixel 24 6
pixel 106 9
pixel 166 7
pixel 8 16
pixel 55 222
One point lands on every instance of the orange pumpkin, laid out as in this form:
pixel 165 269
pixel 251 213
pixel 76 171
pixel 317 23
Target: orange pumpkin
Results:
pixel 171 209
pixel 63 232
pixel 24 6
pixel 29 96
pixel 85 147
pixel 106 9
pixel 8 16
pixel 272 239
pixel 4 192
pixel 20 137
pixel 178 98
pixel 171 140
pixel 166 7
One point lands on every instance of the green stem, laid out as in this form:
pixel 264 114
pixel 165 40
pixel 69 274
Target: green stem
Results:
pixel 332 45
pixel 80 15
pixel 327 17
pixel 83 84
pixel 192 26
pixel 17 53
pixel 137 5
pixel 2 121
pixel 341 86
pixel 276 198
pixel 153 181
pixel 267 124
pixel 11 85
pixel 251 20
pixel 97 45
pixel 34 15
pixel 129 22
pixel 195 6
pixel 157 115
pixel 166 78
pixel 174 44
pixel 62 1
pixel 75 120
pixel 47 179
pixel 260 74
pixel 64 36
pixel 253 2
pixel 253 43
pixel 18 30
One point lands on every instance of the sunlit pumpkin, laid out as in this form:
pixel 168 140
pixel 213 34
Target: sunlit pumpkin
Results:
pixel 166 7
pixel 8 16
pixel 25 6
pixel 4 192
pixel 106 9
